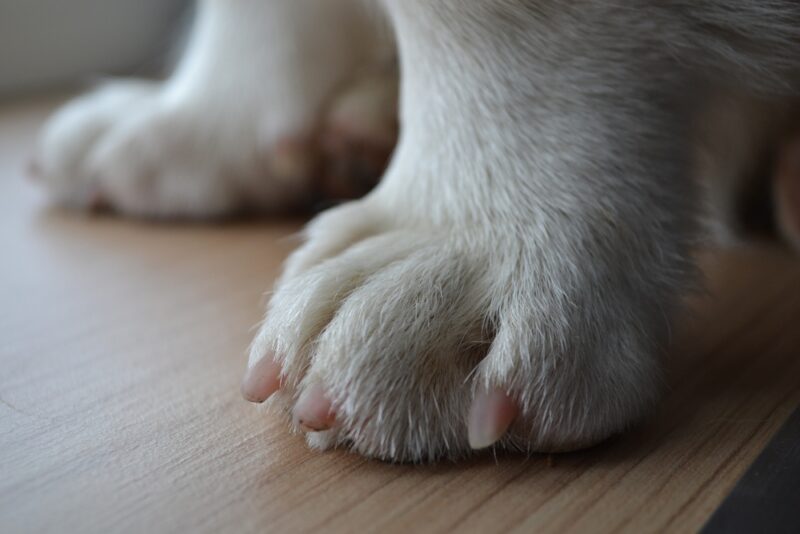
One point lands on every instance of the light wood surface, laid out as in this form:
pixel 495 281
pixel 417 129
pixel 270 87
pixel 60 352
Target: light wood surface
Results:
pixel 122 346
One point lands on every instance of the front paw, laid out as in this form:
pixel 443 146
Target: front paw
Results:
pixel 412 343
pixel 129 147
pixel 68 140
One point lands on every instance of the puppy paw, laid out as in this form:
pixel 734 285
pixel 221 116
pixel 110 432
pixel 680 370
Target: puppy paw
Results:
pixel 69 137
pixel 131 147
pixel 410 342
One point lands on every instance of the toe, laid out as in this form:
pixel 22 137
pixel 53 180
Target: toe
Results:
pixel 396 361
pixel 491 415
pixel 261 380
pixel 313 411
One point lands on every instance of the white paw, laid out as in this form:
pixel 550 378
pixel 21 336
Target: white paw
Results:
pixel 131 147
pixel 240 123
pixel 68 140
pixel 412 342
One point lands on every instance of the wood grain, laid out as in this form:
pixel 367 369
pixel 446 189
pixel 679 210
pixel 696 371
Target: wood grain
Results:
pixel 122 345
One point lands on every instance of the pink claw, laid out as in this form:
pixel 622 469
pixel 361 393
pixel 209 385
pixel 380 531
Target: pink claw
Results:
pixel 491 414
pixel 262 380
pixel 313 411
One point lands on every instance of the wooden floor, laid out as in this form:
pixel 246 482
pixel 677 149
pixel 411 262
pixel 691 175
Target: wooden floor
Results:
pixel 122 346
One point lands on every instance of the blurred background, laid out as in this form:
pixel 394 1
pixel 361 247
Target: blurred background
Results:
pixel 46 44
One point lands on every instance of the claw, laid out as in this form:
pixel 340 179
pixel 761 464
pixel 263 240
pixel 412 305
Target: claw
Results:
pixel 491 414
pixel 313 411
pixel 262 380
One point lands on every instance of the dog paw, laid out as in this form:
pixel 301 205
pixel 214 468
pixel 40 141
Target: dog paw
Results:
pixel 412 342
pixel 130 147
pixel 69 137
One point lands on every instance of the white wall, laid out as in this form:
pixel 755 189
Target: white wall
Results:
pixel 56 42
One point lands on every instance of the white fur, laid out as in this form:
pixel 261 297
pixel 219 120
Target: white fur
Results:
pixel 257 75
pixel 535 227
